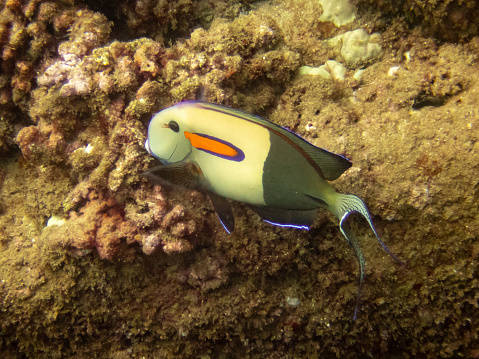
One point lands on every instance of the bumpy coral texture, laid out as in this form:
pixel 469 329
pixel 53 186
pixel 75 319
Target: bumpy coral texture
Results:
pixel 450 20
pixel 126 268
pixel 212 64
pixel 103 223
pixel 82 119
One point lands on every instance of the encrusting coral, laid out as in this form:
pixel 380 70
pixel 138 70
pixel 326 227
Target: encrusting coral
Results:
pixel 103 223
pixel 450 20
pixel 97 262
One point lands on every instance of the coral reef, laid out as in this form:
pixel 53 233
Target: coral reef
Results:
pixel 168 20
pixel 212 63
pixel 339 12
pixel 103 223
pixel 97 262
pixel 358 47
pixel 450 20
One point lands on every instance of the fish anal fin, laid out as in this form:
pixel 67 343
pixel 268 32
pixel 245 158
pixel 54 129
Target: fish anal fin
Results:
pixel 286 217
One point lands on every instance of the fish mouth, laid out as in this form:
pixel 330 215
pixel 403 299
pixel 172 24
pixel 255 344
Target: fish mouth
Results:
pixel 168 159
pixel 172 153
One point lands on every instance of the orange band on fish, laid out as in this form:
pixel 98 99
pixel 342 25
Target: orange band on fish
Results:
pixel 215 146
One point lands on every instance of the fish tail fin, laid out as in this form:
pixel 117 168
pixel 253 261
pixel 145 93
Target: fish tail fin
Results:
pixel 345 205
pixel 346 231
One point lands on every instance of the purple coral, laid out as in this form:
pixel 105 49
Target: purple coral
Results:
pixel 70 72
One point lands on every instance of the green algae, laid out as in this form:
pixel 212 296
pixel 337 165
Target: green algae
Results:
pixel 450 20
pixel 5 132
pixel 226 296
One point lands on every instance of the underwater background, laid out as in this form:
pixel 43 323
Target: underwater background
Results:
pixel 95 262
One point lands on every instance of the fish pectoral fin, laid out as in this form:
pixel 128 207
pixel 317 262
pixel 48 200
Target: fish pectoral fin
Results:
pixel 286 217
pixel 223 211
pixel 185 174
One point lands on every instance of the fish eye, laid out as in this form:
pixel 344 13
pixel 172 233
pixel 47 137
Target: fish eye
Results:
pixel 174 126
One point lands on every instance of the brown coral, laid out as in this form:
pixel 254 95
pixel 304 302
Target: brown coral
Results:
pixel 216 62
pixel 103 223
pixel 41 144
pixel 451 20
pixel 78 97
pixel 25 36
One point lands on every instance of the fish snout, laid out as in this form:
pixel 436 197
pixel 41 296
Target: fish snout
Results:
pixel 147 147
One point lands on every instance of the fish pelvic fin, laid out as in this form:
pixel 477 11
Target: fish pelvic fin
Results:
pixel 223 211
pixel 345 205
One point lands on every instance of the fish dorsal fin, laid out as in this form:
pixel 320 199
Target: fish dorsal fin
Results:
pixel 330 165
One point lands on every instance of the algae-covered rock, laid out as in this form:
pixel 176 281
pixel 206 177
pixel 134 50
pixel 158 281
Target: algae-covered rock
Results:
pixel 339 12
pixel 330 69
pixel 359 47
pixel 95 262
pixel 450 20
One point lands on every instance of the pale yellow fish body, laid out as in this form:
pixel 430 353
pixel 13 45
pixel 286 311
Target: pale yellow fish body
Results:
pixel 244 175
pixel 242 157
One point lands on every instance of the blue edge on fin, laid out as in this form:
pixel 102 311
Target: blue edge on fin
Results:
pixel 287 225
pixel 273 223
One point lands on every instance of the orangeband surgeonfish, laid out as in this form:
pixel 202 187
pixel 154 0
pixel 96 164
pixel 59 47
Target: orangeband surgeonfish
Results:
pixel 234 155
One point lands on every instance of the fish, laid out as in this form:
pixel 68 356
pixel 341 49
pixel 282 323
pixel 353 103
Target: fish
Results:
pixel 233 155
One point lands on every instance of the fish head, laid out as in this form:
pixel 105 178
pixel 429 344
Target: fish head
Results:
pixel 166 139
